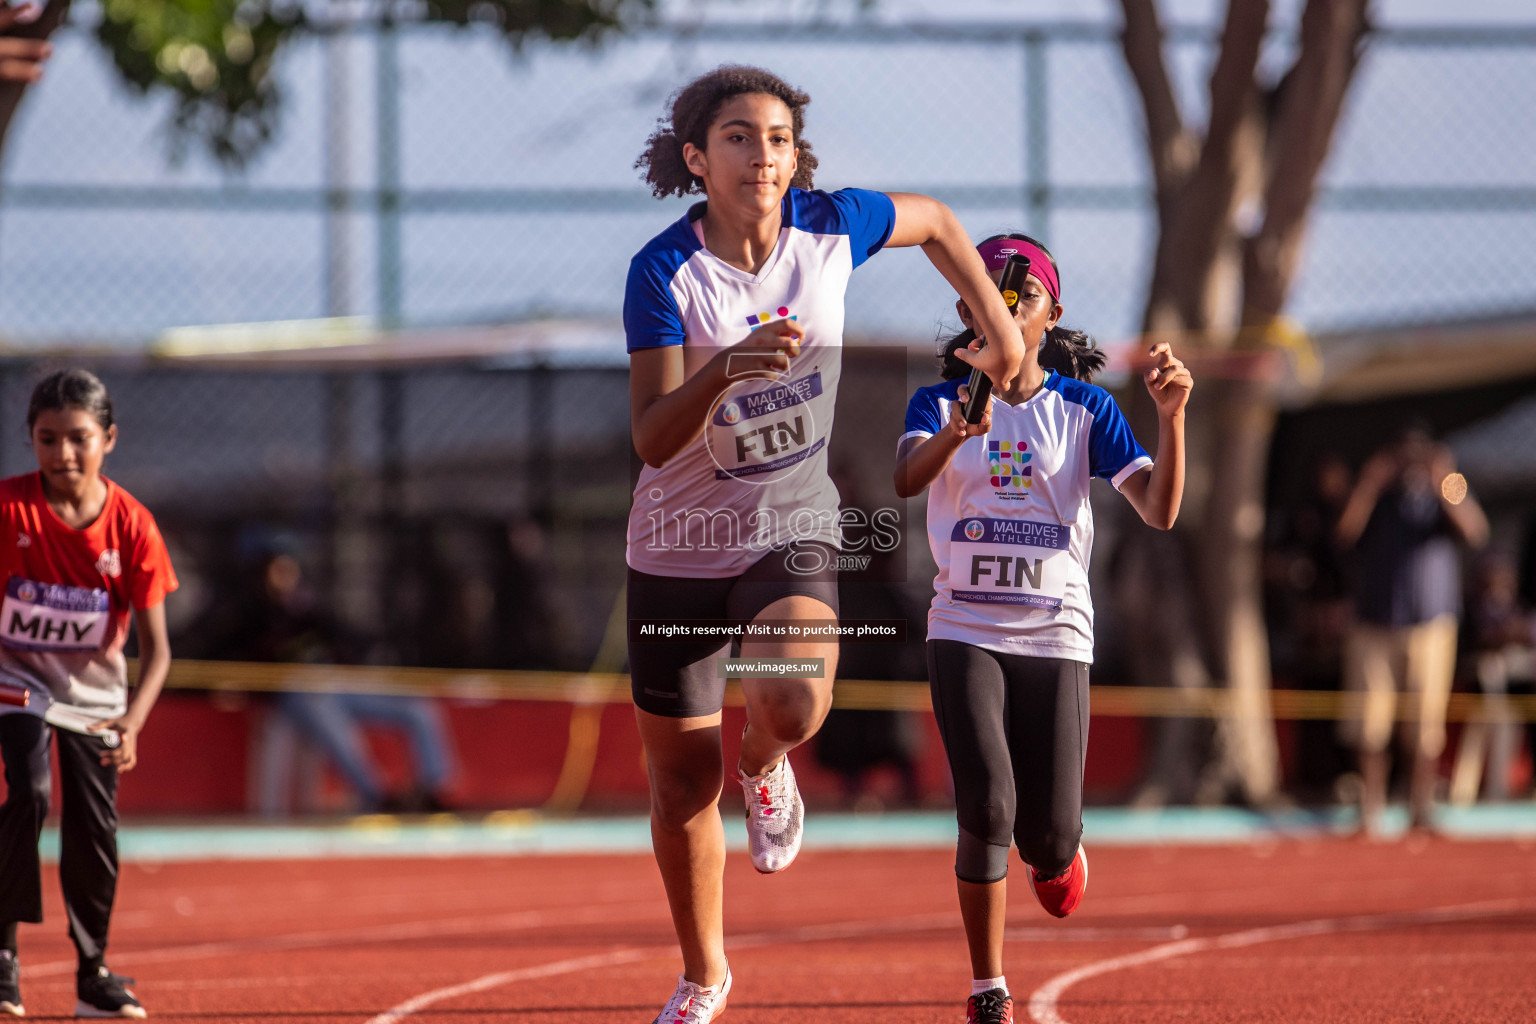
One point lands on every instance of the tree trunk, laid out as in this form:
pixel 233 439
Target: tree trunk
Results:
pixel 1213 289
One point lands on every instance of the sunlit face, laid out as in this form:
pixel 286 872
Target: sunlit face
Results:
pixel 749 156
pixel 1035 314
pixel 70 446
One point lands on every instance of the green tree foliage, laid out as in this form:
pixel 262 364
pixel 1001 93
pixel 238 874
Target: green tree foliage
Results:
pixel 216 56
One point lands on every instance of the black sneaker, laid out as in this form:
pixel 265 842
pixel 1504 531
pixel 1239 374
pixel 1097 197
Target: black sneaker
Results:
pixel 994 1006
pixel 10 985
pixel 105 994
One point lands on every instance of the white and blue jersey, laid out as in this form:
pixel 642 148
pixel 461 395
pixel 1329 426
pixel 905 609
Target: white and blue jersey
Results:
pixel 757 477
pixel 1009 522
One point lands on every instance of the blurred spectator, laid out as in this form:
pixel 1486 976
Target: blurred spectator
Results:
pixel 284 624
pixel 1404 517
pixel 1310 599
pixel 1498 635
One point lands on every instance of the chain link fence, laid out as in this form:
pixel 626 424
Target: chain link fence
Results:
pixel 429 175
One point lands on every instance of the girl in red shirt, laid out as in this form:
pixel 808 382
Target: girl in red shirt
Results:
pixel 78 556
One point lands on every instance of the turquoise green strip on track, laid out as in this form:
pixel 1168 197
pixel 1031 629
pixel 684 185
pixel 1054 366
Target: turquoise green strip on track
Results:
pixel 519 833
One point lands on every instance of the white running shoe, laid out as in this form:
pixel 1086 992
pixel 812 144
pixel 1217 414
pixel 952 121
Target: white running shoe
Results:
pixel 775 816
pixel 694 1004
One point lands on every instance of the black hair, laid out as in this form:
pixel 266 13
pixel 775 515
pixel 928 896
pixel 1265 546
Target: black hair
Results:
pixel 71 389
pixel 694 109
pixel 1070 352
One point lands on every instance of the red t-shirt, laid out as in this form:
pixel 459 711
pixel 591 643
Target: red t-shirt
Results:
pixel 69 596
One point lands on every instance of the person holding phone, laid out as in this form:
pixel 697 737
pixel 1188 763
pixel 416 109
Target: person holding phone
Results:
pixel 1406 516
pixel 734 322
pixel 1010 628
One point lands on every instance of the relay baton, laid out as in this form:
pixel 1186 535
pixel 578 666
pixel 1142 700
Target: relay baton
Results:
pixel 980 385
pixel 15 695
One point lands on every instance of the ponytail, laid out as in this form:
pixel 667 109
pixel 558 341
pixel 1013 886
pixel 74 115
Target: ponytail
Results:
pixel 1071 353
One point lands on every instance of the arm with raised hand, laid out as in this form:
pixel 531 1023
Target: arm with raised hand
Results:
pixel 1157 492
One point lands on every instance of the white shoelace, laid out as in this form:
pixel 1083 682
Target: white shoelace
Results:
pixel 690 1004
pixel 776 782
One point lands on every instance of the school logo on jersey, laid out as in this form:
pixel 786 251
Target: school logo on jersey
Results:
pixel 1008 462
pixel 757 319
pixel 110 563
pixel 23 540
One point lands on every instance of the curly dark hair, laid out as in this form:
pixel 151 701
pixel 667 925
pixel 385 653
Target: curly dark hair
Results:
pixel 694 109
pixel 1070 352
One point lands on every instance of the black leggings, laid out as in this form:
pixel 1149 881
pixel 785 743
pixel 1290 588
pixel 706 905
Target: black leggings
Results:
pixel 1016 731
pixel 88 829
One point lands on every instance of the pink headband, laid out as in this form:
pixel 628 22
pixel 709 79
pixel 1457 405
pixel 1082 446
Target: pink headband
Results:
pixel 996 252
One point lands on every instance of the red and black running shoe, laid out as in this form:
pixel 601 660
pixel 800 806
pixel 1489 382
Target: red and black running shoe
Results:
pixel 1061 895
pixel 994 1006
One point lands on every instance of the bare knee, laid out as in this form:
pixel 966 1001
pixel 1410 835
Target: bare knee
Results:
pixel 790 715
pixel 679 799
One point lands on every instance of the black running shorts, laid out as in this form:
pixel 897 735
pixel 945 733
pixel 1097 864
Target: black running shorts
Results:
pixel 679 678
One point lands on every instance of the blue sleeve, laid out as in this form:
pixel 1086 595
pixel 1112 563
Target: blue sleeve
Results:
pixel 923 413
pixel 651 316
pixel 868 217
pixel 1111 445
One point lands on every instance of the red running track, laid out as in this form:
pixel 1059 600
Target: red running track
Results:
pixel 1290 931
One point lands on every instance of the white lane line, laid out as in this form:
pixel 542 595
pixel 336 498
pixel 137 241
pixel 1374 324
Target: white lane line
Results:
pixel 520 921
pixel 1071 934
pixel 808 933
pixel 581 963
pixel 1043 1001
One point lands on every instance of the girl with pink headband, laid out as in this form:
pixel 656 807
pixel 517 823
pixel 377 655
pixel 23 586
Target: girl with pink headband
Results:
pixel 1010 629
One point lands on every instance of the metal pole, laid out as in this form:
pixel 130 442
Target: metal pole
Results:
pixel 391 382
pixel 392 504
pixel 540 461
pixel 341 489
pixel 1036 137
pixel 338 176
pixel 388 131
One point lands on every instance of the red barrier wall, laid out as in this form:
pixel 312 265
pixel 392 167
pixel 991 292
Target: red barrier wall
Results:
pixel 197 755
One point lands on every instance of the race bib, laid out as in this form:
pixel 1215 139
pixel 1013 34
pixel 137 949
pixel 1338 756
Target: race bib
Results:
pixel 757 431
pixel 1009 561
pixel 53 617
